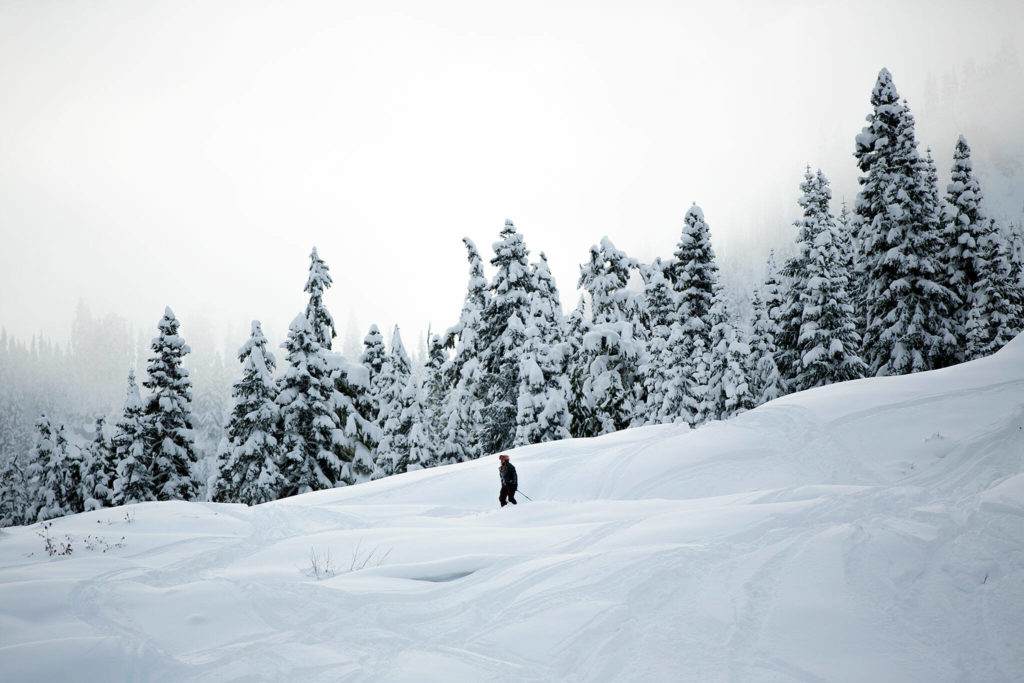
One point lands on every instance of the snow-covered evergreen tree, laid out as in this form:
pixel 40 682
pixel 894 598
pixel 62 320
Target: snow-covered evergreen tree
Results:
pixel 134 480
pixel 662 317
pixel 373 358
pixel 17 492
pixel 765 380
pixel 99 468
pixel 320 320
pixel 502 334
pixel 168 415
pixel 612 387
pixel 577 325
pixel 822 328
pixel 395 375
pixel 464 416
pixel 694 277
pixel 971 239
pixel 728 390
pixel 353 406
pixel 908 311
pixel 1014 248
pixel 845 225
pixel 412 448
pixel 310 458
pixel 542 412
pixel 57 472
pixel 545 292
pixel 435 393
pixel 248 463
pixel 542 409
pixel 994 317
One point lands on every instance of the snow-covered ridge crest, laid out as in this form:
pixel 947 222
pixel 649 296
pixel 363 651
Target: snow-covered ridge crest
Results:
pixel 868 530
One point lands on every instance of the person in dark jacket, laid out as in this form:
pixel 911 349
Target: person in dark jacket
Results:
pixel 509 481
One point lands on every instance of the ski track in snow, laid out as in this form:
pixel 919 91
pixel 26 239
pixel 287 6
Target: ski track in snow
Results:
pixel 867 531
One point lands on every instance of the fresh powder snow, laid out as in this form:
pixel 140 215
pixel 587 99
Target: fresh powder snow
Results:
pixel 864 531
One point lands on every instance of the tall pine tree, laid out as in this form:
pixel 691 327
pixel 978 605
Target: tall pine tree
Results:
pixel 502 335
pixel 320 320
pixel 463 423
pixel 765 380
pixel 99 468
pixel 395 376
pixel 168 415
pixel 612 386
pixel 826 341
pixel 310 459
pixel 908 310
pixel 694 277
pixel 134 480
pixel 248 464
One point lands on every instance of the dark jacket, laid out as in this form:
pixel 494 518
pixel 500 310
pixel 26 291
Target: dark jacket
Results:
pixel 508 475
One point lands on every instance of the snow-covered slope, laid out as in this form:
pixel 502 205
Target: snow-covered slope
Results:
pixel 869 531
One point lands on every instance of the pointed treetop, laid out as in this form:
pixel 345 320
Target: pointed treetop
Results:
pixel 885 90
pixel 320 319
pixel 396 342
pixel 132 399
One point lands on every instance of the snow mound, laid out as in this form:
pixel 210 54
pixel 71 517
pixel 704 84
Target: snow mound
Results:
pixel 870 530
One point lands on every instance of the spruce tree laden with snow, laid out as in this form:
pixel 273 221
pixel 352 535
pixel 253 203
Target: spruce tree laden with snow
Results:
pixel 765 379
pixel 1013 242
pixel 56 471
pixel 168 415
pixel 17 492
pixel 395 375
pixel 501 339
pixel 728 391
pixel 416 450
pixel 99 469
pixel 248 464
pixel 662 313
pixel 435 392
pixel 542 408
pixel 822 326
pixel 612 387
pixel 694 277
pixel 974 243
pixel 373 358
pixel 994 317
pixel 577 325
pixel 464 417
pixel 908 311
pixel 320 320
pixel 134 480
pixel 353 406
pixel 310 458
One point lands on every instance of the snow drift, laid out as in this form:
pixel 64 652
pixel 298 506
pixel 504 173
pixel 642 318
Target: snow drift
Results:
pixel 866 531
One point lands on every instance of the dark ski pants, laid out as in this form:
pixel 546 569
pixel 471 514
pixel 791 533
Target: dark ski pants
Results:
pixel 508 492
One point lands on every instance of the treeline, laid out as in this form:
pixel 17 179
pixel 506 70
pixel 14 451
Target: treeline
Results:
pixel 909 281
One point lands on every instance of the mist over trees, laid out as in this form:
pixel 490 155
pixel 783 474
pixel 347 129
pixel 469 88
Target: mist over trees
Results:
pixel 911 279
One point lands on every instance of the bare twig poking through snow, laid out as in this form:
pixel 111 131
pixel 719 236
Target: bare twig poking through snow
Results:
pixel 320 565
pixel 52 546
pixel 360 561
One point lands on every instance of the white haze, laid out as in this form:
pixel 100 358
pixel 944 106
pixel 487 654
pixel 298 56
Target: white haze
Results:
pixel 191 153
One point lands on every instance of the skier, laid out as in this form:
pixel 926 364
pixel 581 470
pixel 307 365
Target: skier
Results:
pixel 509 481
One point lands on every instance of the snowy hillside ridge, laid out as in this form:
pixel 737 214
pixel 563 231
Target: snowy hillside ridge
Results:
pixel 864 531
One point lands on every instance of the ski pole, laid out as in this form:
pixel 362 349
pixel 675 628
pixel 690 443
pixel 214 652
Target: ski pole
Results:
pixel 524 495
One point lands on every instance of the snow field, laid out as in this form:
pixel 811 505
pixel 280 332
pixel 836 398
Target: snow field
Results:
pixel 866 531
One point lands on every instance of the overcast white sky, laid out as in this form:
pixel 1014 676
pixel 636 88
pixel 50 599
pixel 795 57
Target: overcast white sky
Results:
pixel 191 153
